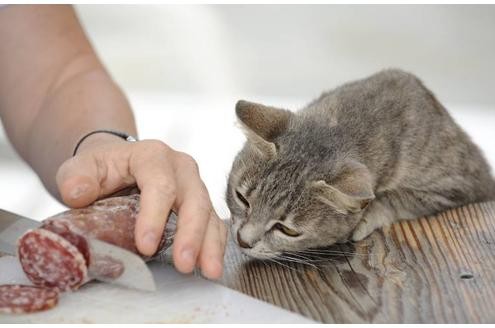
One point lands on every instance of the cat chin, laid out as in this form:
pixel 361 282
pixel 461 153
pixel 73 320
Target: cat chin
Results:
pixel 259 255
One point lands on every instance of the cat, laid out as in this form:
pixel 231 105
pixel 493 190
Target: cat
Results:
pixel 359 157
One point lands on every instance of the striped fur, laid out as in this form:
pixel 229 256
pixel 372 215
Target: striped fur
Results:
pixel 384 141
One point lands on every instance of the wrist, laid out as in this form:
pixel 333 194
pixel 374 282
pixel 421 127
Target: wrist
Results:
pixel 96 140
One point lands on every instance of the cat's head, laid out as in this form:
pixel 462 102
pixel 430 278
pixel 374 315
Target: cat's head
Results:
pixel 287 190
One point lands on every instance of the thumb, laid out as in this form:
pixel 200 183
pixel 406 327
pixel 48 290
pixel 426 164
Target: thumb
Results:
pixel 77 181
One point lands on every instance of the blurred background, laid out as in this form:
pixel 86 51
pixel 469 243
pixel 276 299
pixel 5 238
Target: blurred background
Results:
pixel 184 67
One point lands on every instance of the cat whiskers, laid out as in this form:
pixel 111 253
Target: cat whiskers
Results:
pixel 318 257
pixel 296 260
pixel 278 262
pixel 333 252
pixel 309 259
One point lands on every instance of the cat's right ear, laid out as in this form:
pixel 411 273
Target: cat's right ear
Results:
pixel 262 124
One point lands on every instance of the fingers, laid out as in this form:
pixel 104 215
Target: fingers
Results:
pixel 213 248
pixel 194 211
pixel 155 178
pixel 167 180
pixel 77 181
pixel 173 181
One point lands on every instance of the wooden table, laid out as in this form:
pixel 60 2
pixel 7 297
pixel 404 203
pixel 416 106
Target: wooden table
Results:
pixel 432 270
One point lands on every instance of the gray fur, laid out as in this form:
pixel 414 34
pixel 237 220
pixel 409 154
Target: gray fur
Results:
pixel 359 157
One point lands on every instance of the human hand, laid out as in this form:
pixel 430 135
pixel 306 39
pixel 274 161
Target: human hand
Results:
pixel 168 180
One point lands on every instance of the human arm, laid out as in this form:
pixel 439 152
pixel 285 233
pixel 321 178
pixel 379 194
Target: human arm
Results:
pixel 54 90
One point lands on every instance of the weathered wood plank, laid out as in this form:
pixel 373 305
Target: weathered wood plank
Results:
pixel 432 270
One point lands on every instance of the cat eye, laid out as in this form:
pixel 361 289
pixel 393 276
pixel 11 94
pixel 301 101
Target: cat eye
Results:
pixel 286 230
pixel 242 198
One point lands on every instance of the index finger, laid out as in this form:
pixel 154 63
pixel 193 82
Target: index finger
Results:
pixel 155 178
pixel 194 209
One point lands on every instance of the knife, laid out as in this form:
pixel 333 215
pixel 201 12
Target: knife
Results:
pixel 136 273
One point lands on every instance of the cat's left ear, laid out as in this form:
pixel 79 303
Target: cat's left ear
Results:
pixel 350 192
pixel 262 124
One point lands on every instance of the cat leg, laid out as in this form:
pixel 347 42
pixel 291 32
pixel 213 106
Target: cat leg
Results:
pixel 377 215
pixel 404 205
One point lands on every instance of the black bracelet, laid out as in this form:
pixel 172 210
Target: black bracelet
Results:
pixel 123 135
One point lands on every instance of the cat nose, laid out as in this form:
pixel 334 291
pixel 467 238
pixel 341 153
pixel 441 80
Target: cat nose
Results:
pixel 241 242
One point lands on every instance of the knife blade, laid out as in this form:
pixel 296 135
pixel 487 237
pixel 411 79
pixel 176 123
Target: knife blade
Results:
pixel 135 274
pixel 12 226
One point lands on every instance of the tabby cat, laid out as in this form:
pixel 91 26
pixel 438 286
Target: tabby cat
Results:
pixel 359 157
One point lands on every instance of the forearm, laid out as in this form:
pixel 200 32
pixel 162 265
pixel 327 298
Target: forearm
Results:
pixel 53 89
pixel 85 103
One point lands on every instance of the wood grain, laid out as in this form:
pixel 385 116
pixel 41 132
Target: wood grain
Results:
pixel 431 270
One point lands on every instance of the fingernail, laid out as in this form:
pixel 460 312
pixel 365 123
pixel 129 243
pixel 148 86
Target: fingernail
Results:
pixel 188 256
pixel 79 190
pixel 150 240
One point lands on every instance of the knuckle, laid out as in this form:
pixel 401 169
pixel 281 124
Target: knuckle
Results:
pixel 165 187
pixel 204 209
pixel 156 146
pixel 188 161
pixel 204 204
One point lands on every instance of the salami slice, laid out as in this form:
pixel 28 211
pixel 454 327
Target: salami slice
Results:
pixel 49 260
pixel 57 254
pixel 17 299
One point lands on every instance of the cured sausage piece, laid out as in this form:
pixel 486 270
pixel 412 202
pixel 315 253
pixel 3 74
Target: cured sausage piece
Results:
pixel 18 299
pixel 106 267
pixel 111 220
pixel 49 260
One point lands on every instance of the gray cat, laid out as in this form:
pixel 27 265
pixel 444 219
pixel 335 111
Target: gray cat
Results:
pixel 359 157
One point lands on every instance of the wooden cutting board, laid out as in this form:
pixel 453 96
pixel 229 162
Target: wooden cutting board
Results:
pixel 179 299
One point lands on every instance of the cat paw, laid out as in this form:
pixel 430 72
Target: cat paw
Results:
pixel 363 230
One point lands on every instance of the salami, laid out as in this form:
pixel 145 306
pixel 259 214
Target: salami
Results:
pixel 111 220
pixel 57 254
pixel 49 260
pixel 17 299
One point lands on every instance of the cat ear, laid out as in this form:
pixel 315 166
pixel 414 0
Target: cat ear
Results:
pixel 350 192
pixel 262 124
